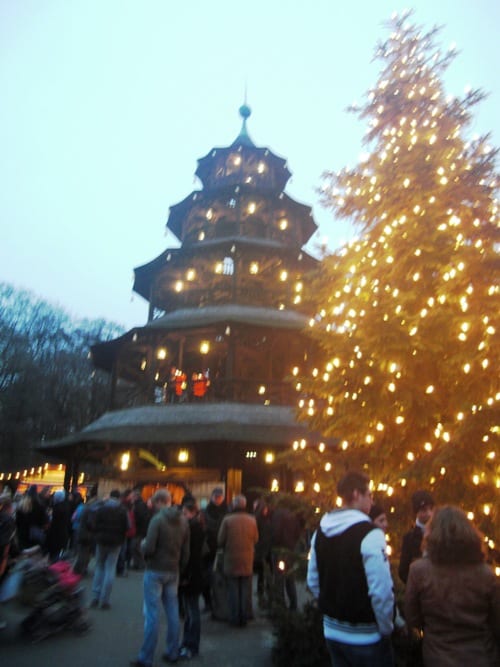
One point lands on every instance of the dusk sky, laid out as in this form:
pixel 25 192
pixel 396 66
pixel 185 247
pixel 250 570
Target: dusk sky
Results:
pixel 106 105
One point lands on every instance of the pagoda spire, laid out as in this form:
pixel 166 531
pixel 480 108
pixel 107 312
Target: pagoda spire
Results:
pixel 244 138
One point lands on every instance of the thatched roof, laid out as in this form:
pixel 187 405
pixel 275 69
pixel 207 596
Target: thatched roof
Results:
pixel 191 422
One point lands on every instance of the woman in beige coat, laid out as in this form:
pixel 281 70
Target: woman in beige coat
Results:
pixel 238 536
pixel 453 596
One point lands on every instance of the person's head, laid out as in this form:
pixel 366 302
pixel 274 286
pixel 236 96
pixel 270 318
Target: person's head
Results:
pixel 239 502
pixel 379 517
pixel 58 497
pixel 354 490
pixel 450 538
pixel 161 499
pixel 44 493
pixel 115 494
pixel 217 496
pixel 189 507
pixel 423 504
pixel 261 507
pixel 126 498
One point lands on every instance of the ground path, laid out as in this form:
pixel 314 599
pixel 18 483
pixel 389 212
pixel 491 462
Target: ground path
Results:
pixel 116 635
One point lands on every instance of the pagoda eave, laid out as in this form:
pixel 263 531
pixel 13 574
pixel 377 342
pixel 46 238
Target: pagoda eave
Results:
pixel 103 354
pixel 183 423
pixel 145 274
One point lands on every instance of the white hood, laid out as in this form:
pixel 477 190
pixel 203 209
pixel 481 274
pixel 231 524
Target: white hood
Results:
pixel 338 521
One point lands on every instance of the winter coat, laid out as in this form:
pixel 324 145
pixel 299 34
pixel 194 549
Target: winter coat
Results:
pixel 86 528
pixel 238 535
pixel 166 547
pixel 111 523
pixel 58 530
pixel 142 516
pixel 378 581
pixel 192 576
pixel 410 551
pixel 458 608
pixel 7 537
pixel 212 517
pixel 263 546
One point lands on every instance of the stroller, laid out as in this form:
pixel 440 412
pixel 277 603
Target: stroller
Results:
pixel 55 596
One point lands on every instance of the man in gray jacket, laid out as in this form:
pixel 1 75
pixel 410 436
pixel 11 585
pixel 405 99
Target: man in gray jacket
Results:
pixel 166 552
pixel 349 573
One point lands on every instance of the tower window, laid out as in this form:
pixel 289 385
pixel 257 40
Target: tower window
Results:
pixel 228 266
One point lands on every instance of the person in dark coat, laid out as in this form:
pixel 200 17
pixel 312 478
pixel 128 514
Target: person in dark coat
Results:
pixel 213 514
pixel 59 527
pixel 263 556
pixel 111 525
pixel 7 538
pixel 286 529
pixel 192 581
pixel 85 537
pixel 142 517
pixel 423 504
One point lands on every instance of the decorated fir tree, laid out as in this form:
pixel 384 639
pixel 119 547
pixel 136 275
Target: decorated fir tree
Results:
pixel 408 315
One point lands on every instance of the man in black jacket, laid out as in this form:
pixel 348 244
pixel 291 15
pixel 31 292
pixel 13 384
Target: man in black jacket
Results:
pixel 110 527
pixel 422 504
pixel 212 517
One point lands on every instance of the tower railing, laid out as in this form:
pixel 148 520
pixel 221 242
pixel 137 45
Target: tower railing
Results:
pixel 218 390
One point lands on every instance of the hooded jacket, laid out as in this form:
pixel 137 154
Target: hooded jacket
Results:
pixel 166 547
pixel 364 613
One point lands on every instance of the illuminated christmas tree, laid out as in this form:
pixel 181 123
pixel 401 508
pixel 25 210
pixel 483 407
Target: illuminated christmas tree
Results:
pixel 408 315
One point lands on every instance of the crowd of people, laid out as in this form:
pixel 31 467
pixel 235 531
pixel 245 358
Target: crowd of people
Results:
pixel 451 604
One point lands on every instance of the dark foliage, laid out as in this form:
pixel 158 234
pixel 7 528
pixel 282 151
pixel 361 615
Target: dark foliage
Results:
pixel 48 387
pixel 299 638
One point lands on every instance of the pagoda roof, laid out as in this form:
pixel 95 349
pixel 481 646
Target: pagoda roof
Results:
pixel 186 422
pixel 179 211
pixel 103 354
pixel 144 274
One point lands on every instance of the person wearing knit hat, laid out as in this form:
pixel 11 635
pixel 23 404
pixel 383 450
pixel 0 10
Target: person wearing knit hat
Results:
pixel 422 504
